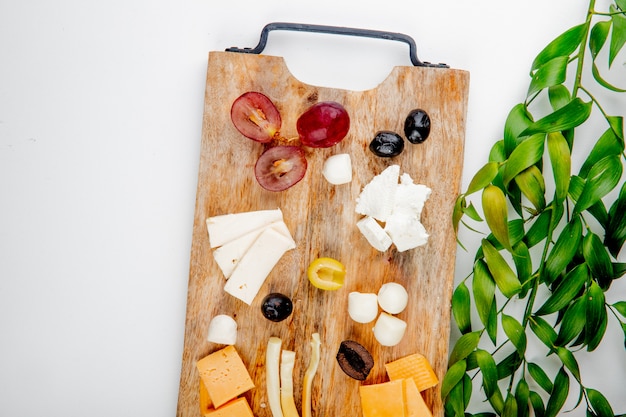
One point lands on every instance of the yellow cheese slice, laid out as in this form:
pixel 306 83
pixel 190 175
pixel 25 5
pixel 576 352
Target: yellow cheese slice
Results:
pixel 205 401
pixel 235 408
pixel 413 400
pixel 224 375
pixel 383 400
pixel 414 366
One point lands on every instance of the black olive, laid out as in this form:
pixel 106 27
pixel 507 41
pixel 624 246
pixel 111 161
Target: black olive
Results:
pixel 387 144
pixel 417 126
pixel 354 360
pixel 276 307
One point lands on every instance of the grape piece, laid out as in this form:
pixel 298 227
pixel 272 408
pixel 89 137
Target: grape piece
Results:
pixel 387 144
pixel 323 125
pixel 417 126
pixel 280 167
pixel 276 307
pixel 256 117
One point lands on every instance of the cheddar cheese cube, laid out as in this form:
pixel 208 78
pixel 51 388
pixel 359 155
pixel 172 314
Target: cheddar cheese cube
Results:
pixel 414 366
pixel 235 408
pixel 224 375
pixel 383 400
pixel 413 400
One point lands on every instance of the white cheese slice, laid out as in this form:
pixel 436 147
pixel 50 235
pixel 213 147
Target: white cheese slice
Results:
pixel 227 227
pixel 378 196
pixel 254 267
pixel 406 231
pixel 374 233
pixel 229 254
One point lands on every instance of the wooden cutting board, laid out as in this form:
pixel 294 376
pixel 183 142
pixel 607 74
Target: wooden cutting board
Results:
pixel 322 221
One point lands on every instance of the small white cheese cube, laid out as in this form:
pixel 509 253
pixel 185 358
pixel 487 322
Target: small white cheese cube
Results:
pixel 254 267
pixel 374 233
pixel 378 196
pixel 406 231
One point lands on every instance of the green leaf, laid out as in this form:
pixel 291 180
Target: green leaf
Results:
pixel 522 395
pixel 598 259
pixel 617 125
pixel 609 144
pixel 527 153
pixel 618 36
pixel 489 372
pixel 620 306
pixel 593 338
pixel 603 177
pixel 483 177
pixel 564 250
pixel 543 330
pixel 518 120
pixel 497 152
pixel 523 266
pixel 457 212
pixel 561 161
pixel 616 229
pixel 559 96
pixel 568 359
pixel 510 407
pixel 496 214
pixel 596 315
pixel 497 402
pixel 537 403
pixel 484 290
pixel 540 377
pixel 531 183
pixel 509 365
pixel 566 291
pixel 564 45
pixel 538 231
pixel 464 346
pixel 455 401
pixel 453 376
pixel 576 187
pixel 503 275
pixel 461 308
pixel 600 404
pixel 559 394
pixel 515 332
pixel 548 74
pixel 571 115
pixel 598 36
pixel 572 323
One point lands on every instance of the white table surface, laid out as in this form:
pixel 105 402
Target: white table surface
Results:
pixel 100 119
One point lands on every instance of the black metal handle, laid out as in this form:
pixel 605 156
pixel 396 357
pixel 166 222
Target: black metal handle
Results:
pixel 337 30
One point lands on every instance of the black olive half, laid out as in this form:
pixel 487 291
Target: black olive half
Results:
pixel 355 360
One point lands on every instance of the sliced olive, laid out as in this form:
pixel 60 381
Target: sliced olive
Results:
pixel 417 126
pixel 276 307
pixel 354 360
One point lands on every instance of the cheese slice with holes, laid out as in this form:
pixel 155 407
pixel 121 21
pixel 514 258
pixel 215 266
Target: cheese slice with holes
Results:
pixel 224 228
pixel 228 255
pixel 254 267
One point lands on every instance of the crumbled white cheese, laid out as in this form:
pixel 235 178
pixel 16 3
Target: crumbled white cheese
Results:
pixel 378 196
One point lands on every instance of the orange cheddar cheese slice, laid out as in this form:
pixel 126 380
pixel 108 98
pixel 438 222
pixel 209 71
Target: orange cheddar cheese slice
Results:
pixel 413 400
pixel 205 401
pixel 236 408
pixel 224 375
pixel 385 399
pixel 414 366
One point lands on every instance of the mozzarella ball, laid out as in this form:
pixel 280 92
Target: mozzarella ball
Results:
pixel 389 330
pixel 222 330
pixel 338 169
pixel 392 297
pixel 362 307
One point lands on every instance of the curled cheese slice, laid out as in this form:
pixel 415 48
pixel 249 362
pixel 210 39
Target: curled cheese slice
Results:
pixel 287 402
pixel 272 375
pixel 309 374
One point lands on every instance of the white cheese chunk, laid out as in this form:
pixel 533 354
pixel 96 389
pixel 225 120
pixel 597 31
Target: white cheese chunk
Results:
pixel 374 233
pixel 378 196
pixel 410 197
pixel 226 227
pixel 406 231
pixel 254 267
pixel 228 255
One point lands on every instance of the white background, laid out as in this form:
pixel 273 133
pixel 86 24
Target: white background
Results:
pixel 100 120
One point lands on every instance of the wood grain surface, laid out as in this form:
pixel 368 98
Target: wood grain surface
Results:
pixel 322 220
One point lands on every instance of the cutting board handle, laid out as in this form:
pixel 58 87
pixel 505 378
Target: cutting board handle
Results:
pixel 337 30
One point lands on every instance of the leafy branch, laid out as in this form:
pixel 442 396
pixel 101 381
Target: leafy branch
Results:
pixel 554 236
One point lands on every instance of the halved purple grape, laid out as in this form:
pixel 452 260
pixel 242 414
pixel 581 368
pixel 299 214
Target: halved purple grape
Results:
pixel 256 117
pixel 324 124
pixel 280 167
